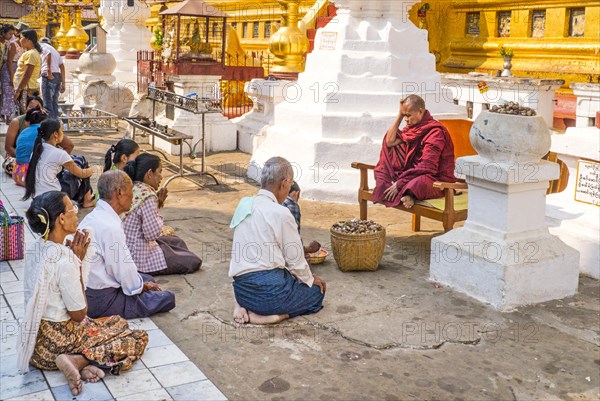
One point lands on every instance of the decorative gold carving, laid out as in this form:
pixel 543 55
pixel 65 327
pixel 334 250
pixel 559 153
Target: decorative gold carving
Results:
pixel 472 24
pixel 61 35
pixel 289 44
pixel 576 21
pixel 76 37
pixel 504 24
pixel 538 23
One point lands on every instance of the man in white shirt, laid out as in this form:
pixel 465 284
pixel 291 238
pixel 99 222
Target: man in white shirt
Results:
pixel 53 77
pixel 114 286
pixel 272 279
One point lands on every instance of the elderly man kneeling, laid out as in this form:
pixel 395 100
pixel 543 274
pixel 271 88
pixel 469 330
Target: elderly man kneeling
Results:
pixel 115 287
pixel 272 280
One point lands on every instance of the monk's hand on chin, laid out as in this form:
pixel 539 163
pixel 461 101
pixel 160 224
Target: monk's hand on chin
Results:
pixel 391 193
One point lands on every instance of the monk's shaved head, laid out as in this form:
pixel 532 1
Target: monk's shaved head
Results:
pixel 414 102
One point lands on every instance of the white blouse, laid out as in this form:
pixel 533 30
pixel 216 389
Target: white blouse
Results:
pixel 65 292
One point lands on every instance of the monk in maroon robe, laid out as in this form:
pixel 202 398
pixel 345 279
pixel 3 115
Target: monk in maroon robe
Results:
pixel 414 158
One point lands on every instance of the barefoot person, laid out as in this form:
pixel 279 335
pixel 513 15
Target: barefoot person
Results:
pixel 115 287
pixel 272 280
pixel 56 332
pixel 413 158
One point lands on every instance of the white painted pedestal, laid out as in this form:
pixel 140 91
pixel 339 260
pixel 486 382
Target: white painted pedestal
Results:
pixel 220 133
pixel 504 254
pixel 252 126
pixel 588 103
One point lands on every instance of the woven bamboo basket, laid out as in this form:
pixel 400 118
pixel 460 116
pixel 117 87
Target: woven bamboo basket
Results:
pixel 354 252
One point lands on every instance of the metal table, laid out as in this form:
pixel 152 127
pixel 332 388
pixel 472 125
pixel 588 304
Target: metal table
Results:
pixel 175 138
pixel 192 104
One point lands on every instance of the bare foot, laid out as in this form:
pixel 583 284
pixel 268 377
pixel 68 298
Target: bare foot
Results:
pixel 408 201
pixel 240 315
pixel 260 319
pixel 88 200
pixel 92 374
pixel 68 368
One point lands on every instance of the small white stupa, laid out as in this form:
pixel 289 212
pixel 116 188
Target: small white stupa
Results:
pixel 365 61
pixel 126 34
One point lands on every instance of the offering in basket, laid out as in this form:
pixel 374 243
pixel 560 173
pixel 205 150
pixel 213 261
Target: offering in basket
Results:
pixel 318 257
pixel 357 244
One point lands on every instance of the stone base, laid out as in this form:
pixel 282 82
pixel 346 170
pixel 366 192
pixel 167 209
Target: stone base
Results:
pixel 507 273
pixel 220 133
pixel 252 127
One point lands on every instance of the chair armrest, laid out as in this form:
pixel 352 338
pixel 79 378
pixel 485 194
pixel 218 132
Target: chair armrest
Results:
pixel 362 166
pixel 450 185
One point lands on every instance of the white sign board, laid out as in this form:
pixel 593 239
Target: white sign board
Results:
pixel 587 184
pixel 328 41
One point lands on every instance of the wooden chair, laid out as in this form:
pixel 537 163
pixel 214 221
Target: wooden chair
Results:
pixel 459 132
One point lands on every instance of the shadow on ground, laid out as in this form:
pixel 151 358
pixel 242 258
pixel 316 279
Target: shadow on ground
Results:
pixel 385 335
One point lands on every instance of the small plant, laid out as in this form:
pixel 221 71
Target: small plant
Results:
pixel 506 51
pixel 422 12
pixel 425 7
pixel 158 37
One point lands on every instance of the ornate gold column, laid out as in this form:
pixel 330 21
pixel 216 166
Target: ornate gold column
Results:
pixel 289 45
pixel 61 35
pixel 38 17
pixel 76 37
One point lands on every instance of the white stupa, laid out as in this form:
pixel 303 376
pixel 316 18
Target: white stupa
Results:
pixel 365 61
pixel 126 34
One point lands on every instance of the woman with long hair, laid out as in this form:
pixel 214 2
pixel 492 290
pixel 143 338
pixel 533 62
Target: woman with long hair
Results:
pixel 57 333
pixel 25 144
pixel 7 107
pixel 153 252
pixel 47 163
pixel 117 155
pixel 28 70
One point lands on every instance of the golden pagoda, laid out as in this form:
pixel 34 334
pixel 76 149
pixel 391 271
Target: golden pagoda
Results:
pixel 254 22
pixel 550 38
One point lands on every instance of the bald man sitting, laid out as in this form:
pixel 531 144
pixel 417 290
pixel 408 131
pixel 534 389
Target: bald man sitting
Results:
pixel 413 158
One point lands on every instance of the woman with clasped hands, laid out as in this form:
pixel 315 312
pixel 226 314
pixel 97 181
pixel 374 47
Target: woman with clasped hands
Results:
pixel 56 332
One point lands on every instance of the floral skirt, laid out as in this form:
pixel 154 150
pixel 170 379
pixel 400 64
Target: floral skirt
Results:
pixel 19 173
pixel 107 343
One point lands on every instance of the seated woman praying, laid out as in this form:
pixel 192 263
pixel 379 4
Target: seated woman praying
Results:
pixel 117 155
pixel 45 172
pixel 153 252
pixel 57 334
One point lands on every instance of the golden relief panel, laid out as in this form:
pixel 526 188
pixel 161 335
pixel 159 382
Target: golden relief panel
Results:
pixel 538 23
pixel 504 24
pixel 472 24
pixel 576 22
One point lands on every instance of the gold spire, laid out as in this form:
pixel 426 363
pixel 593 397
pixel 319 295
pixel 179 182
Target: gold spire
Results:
pixel 289 45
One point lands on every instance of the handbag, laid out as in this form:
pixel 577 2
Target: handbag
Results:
pixel 12 235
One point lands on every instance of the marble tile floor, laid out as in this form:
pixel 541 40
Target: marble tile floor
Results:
pixel 163 373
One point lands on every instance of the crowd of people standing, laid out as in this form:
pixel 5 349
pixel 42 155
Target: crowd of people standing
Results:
pixel 25 60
